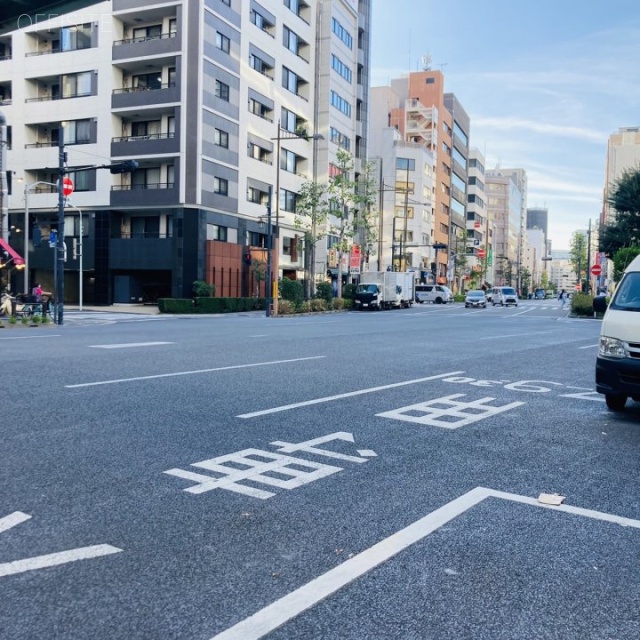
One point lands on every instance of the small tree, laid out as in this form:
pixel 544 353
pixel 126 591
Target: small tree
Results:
pixel 259 270
pixel 578 253
pixel 201 289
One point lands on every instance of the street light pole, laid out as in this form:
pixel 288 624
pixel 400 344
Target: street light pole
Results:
pixel 269 246
pixel 60 244
pixel 80 282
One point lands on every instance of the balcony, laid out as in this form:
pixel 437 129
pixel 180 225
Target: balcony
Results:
pixel 149 46
pixel 153 194
pixel 136 97
pixel 152 144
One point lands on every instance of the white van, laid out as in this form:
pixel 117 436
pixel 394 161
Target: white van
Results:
pixel 618 362
pixel 504 296
pixel 437 293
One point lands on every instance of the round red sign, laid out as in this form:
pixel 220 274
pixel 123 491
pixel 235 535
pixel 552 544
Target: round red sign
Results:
pixel 67 186
pixel 596 270
pixel 480 253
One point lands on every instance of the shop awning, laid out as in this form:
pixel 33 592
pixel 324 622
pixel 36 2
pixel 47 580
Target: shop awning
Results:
pixel 17 258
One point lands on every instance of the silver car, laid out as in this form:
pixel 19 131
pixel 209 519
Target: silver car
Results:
pixel 475 299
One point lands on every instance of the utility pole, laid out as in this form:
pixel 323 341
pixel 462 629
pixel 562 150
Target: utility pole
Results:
pixel 59 272
pixel 587 284
pixel 4 195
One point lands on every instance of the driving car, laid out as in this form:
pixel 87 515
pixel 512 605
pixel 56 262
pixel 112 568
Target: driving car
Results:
pixel 504 296
pixel 475 298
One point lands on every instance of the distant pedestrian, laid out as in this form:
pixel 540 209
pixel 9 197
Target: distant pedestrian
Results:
pixel 563 298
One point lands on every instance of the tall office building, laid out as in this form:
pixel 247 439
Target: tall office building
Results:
pixel 506 198
pixel 480 226
pixel 221 102
pixel 623 153
pixel 425 115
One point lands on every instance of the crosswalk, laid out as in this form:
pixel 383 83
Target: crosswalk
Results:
pixel 94 318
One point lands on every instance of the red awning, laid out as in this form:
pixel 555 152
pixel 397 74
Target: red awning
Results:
pixel 17 258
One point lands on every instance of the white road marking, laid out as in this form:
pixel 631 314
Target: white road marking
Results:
pixel 516 335
pixel 447 412
pixel 12 520
pixel 340 396
pixel 261 335
pixel 590 346
pixel 310 446
pixel 53 559
pixel 51 335
pixel 190 373
pixel 293 604
pixel 126 345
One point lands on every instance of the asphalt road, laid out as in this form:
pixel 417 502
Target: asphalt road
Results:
pixel 339 476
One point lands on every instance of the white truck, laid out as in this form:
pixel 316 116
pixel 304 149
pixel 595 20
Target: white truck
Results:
pixel 385 290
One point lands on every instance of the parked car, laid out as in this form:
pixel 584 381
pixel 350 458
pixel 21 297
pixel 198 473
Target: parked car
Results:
pixel 504 296
pixel 437 293
pixel 476 298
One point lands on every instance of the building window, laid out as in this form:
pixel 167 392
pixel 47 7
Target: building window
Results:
pixel 340 139
pixel 340 103
pixel 257 196
pixel 222 91
pixel 222 42
pixel 288 161
pixel 221 186
pixel 227 2
pixel 258 153
pixel 405 164
pixel 216 232
pixel 290 248
pixel 290 80
pixel 290 40
pixel 342 33
pixel 221 138
pixel 430 80
pixel 288 201
pixel 341 68
pixel 260 65
pixel 77 131
pixel 259 109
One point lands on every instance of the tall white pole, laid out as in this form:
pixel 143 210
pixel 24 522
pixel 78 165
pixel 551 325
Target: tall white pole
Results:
pixel 80 262
pixel 26 239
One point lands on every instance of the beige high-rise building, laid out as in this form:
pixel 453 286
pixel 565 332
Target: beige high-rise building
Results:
pixel 623 153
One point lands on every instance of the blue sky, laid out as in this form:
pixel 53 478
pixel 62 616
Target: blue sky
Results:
pixel 544 82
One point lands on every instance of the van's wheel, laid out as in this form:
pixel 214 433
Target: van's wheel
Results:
pixel 615 402
pixel 438 300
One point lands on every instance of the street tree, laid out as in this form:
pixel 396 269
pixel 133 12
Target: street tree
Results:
pixel 312 212
pixel 624 198
pixel 578 254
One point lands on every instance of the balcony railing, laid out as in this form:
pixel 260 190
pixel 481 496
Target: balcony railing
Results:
pixel 46 52
pixel 162 36
pixel 128 235
pixel 136 187
pixel 150 136
pixel 168 85
pixel 49 98
pixel 50 143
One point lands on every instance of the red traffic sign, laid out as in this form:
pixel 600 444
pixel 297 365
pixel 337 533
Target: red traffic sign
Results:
pixel 67 186
pixel 596 270
pixel 480 253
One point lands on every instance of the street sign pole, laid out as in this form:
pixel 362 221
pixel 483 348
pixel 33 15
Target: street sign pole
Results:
pixel 59 271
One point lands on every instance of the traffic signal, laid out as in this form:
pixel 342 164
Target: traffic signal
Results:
pixel 247 258
pixel 123 167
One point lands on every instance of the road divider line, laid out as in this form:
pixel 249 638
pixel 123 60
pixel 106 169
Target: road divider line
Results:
pixel 51 335
pixel 190 373
pixel 590 346
pixel 293 604
pixel 340 396
pixel 126 345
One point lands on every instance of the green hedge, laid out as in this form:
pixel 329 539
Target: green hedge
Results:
pixel 210 305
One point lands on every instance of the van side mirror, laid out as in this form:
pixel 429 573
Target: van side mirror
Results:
pixel 600 304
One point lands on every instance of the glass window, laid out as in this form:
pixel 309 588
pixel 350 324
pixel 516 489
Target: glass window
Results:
pixel 222 42
pixel 459 158
pixel 222 91
pixel 404 164
pixel 221 186
pixel 221 138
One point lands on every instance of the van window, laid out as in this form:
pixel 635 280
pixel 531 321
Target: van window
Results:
pixel 627 295
pixel 509 291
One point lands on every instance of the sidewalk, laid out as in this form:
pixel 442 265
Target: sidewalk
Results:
pixel 147 309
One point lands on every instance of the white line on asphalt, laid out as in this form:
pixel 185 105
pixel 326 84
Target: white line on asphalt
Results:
pixel 589 346
pixel 190 373
pixel 261 335
pixel 126 345
pixel 349 394
pixel 53 559
pixel 51 335
pixel 516 335
pixel 281 611
pixel 12 520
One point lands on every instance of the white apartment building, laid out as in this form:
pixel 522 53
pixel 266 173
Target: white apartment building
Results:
pixel 220 102
pixel 406 182
pixel 480 226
